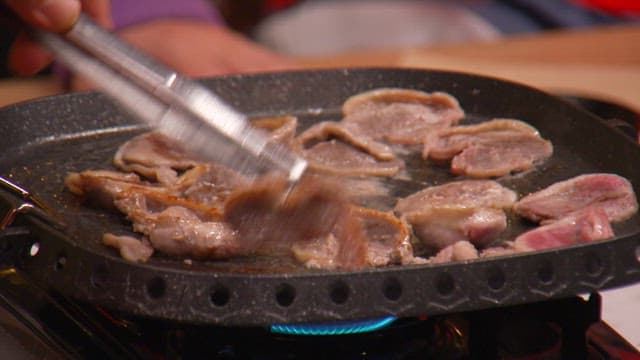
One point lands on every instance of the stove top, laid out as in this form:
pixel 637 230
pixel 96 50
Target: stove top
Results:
pixel 35 324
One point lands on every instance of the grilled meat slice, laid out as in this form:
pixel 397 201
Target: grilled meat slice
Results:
pixel 611 192
pixel 327 130
pixel 388 238
pixel 154 156
pixel 387 243
pixel 585 225
pixel 400 116
pixel 280 129
pixel 458 251
pixel 272 219
pixel 439 227
pixel 446 143
pixel 209 184
pixel 179 231
pixel 501 156
pixel 130 248
pixel 173 224
pixel 334 148
pixel 318 253
pixel 105 187
pixel 337 158
pixel 490 149
pixel 469 210
pixel 464 193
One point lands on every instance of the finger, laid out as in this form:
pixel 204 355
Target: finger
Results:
pixel 100 11
pixel 53 15
pixel 79 83
pixel 27 57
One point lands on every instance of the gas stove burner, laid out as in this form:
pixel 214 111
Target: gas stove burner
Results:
pixel 337 328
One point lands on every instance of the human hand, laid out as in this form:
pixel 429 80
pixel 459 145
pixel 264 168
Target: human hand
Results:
pixel 200 49
pixel 26 56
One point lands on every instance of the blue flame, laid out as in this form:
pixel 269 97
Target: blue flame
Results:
pixel 334 328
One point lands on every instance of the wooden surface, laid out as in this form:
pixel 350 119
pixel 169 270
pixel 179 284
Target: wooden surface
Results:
pixel 602 62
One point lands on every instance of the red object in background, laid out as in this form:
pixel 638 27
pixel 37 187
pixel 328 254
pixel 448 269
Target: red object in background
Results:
pixel 616 7
pixel 276 5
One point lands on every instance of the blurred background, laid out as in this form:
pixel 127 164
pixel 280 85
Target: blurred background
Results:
pixel 315 27
pixel 581 49
pixel 326 27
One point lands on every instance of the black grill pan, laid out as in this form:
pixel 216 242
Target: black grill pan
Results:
pixel 45 139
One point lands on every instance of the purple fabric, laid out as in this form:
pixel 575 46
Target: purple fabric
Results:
pixel 130 12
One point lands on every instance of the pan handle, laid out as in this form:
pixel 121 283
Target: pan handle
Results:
pixel 13 242
pixel 15 238
pixel 25 203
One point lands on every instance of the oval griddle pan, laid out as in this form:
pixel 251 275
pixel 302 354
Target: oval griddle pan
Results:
pixel 45 139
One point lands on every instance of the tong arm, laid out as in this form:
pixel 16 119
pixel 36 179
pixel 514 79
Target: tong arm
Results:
pixel 181 108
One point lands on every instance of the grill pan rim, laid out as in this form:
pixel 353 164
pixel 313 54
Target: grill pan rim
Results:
pixel 261 309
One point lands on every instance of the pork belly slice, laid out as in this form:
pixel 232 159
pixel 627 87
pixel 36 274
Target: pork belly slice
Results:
pixel 439 227
pixel 503 250
pixel 173 225
pixel 388 238
pixel 387 242
pixel 458 251
pixel 129 247
pixel 203 188
pixel 154 156
pixel 318 253
pixel 280 129
pixel 464 193
pixel 83 183
pixel 209 184
pixel 158 158
pixel 337 158
pixel 611 192
pixel 271 223
pixel 446 143
pixel 400 116
pixel 330 129
pixel 490 149
pixel 586 225
pixel 501 156
pixel 125 192
pixel 583 226
pixel 271 219
pixel 470 210
pixel 142 208
pixel 178 231
pixel 177 226
pixel 326 252
pixel 105 187
pixel 333 148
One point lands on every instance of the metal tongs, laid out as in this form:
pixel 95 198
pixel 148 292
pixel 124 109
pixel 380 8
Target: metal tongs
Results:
pixel 180 108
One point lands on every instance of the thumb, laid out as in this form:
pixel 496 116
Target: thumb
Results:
pixel 53 15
